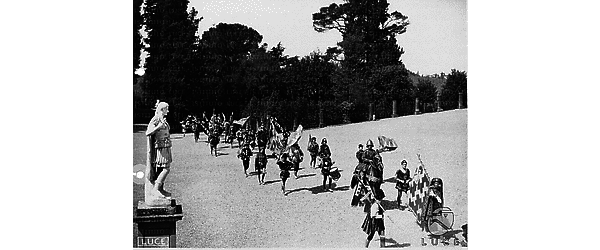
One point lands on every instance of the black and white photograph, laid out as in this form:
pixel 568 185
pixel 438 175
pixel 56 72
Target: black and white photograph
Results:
pixel 300 124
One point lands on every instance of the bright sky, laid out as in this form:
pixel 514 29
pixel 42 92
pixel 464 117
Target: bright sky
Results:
pixel 435 41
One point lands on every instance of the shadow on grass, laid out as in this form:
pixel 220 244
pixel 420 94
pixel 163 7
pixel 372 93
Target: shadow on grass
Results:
pixel 389 205
pixel 279 180
pixel 219 154
pixel 272 181
pixel 395 243
pixel 253 173
pixel 306 175
pixel 447 235
pixel 226 146
pixel 319 189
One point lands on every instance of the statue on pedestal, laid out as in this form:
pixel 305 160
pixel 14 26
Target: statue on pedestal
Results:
pixel 158 157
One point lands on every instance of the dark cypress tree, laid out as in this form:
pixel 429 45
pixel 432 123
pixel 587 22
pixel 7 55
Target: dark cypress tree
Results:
pixel 137 37
pixel 455 83
pixel 172 42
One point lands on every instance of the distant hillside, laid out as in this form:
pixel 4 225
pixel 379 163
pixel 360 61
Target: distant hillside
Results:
pixel 437 80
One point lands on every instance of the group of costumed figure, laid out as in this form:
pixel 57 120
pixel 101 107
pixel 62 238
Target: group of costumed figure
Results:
pixel 284 147
pixel 213 128
pixel 366 180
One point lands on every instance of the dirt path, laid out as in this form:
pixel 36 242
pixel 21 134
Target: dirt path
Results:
pixel 224 209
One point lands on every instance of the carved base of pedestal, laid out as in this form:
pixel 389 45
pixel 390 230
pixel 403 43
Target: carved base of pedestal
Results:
pixel 156 225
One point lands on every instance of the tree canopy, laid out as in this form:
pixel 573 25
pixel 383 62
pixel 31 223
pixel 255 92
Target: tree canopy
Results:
pixel 229 69
pixel 455 83
pixel 171 38
pixel 137 37
pixel 368 31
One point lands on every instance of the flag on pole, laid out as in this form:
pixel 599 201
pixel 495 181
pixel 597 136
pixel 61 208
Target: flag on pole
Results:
pixel 388 143
pixel 275 131
pixel 417 193
pixel 242 121
pixel 294 136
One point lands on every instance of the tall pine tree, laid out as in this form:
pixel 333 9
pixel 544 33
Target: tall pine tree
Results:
pixel 171 43
pixel 137 37
pixel 368 31
pixel 371 55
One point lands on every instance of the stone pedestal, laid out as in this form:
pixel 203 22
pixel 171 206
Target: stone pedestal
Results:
pixel 371 112
pixel 417 106
pixel 460 100
pixel 156 225
pixel 295 120
pixel 439 103
pixel 394 108
pixel 321 123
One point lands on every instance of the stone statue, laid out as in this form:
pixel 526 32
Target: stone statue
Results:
pixel 158 157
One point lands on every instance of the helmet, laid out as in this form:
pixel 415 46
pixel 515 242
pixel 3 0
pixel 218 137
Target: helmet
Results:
pixel 324 140
pixel 403 161
pixel 436 181
pixel 369 143
pixel 360 145
pixel 437 186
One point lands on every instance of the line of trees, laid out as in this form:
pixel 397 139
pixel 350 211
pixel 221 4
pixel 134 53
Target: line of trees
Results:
pixel 228 68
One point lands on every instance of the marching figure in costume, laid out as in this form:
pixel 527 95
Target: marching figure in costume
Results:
pixel 245 154
pixel 260 165
pixel 262 137
pixel 359 153
pixel 372 158
pixel 313 149
pixel 435 198
pixel 374 220
pixel 213 138
pixel 325 155
pixel 361 167
pixel 240 136
pixel 402 180
pixel 360 184
pixel 183 125
pixel 297 156
pixel 284 165
pixel 158 154
pixel 196 129
pixel 359 178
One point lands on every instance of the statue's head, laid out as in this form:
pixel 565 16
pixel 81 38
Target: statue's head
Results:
pixel 162 108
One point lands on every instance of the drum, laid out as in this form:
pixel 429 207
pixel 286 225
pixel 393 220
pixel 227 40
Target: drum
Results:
pixel 335 173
